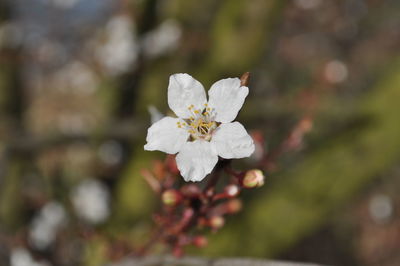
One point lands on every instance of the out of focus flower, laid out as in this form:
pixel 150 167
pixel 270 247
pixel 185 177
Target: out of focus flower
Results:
pixel 381 208
pixel 21 257
pixel 155 114
pixel 45 225
pixel 163 39
pixel 76 76
pixel 120 49
pixel 203 131
pixel 336 71
pixel 91 201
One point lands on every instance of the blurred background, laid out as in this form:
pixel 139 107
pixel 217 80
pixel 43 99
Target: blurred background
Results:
pixel 81 80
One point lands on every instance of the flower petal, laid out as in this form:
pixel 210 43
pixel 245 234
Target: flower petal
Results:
pixel 196 160
pixel 184 91
pixel 164 135
pixel 231 140
pixel 227 97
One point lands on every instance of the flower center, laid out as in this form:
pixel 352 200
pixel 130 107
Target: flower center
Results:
pixel 200 124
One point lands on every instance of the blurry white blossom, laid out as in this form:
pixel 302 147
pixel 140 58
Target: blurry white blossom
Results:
pixel 76 76
pixel 44 227
pixel 21 257
pixel 336 71
pixel 163 39
pixel 119 51
pixel 155 114
pixel 204 129
pixel 91 201
pixel 381 208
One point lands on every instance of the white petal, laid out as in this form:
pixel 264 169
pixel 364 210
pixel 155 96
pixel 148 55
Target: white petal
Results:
pixel 227 97
pixel 196 160
pixel 164 135
pixel 183 91
pixel 232 141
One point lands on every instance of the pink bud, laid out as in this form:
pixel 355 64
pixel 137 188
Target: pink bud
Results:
pixel 232 190
pixel 200 241
pixel 253 178
pixel 216 222
pixel 233 206
pixel 191 191
pixel 171 197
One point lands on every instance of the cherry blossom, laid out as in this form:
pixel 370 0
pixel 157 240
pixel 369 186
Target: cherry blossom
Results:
pixel 203 130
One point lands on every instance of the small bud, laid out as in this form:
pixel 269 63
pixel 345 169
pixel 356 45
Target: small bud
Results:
pixel 200 241
pixel 191 191
pixel 253 178
pixel 306 124
pixel 216 222
pixel 171 197
pixel 244 79
pixel 233 206
pixel 232 190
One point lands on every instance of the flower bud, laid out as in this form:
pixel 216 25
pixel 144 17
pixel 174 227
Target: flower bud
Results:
pixel 232 190
pixel 191 191
pixel 171 197
pixel 216 222
pixel 200 241
pixel 244 79
pixel 253 178
pixel 233 206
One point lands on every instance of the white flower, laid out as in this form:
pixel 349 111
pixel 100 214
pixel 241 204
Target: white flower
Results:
pixel 91 201
pixel 203 131
pixel 44 227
